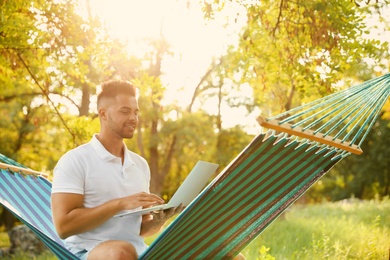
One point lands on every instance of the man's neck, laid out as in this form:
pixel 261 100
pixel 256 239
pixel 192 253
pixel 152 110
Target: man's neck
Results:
pixel 114 145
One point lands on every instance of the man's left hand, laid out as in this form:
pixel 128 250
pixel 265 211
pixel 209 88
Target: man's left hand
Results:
pixel 164 215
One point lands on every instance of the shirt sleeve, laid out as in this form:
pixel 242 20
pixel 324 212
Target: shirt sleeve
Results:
pixel 69 175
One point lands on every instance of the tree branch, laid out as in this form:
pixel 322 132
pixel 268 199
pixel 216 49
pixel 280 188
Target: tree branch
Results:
pixel 279 17
pixel 11 97
pixel 46 94
pixel 203 79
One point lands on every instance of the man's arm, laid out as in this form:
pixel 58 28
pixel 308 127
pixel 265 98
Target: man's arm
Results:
pixel 70 217
pixel 153 223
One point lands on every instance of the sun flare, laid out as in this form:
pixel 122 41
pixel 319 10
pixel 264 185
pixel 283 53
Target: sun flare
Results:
pixel 194 41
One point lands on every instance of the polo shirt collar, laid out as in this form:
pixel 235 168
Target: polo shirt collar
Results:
pixel 106 155
pixel 128 161
pixel 101 150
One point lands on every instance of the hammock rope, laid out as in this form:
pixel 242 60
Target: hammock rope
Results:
pixel 20 169
pixel 341 119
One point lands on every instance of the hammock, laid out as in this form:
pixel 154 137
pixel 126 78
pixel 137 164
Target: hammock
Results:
pixel 26 193
pixel 272 172
pixel 246 197
pixel 342 119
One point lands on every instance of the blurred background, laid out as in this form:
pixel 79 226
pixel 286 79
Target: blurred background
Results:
pixel 204 71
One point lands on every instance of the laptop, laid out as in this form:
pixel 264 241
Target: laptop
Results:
pixel 188 190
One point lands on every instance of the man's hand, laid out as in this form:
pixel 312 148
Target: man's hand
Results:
pixel 152 223
pixel 164 215
pixel 142 199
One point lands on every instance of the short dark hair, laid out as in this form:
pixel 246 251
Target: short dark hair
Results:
pixel 113 88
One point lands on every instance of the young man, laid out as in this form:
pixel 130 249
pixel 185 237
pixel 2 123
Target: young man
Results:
pixel 97 180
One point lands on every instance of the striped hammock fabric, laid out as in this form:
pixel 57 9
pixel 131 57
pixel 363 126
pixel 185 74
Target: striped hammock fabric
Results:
pixel 268 176
pixel 247 196
pixel 28 198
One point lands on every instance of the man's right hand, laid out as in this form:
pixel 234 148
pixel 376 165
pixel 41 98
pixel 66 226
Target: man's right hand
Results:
pixel 142 199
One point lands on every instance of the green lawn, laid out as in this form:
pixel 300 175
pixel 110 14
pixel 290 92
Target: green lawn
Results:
pixel 342 230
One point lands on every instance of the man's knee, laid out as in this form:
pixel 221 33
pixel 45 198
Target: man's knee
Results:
pixel 122 251
pixel 115 250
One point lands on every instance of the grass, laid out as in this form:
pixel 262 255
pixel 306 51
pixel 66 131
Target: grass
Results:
pixel 343 230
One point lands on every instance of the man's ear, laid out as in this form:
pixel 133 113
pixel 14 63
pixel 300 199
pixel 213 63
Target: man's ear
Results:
pixel 102 113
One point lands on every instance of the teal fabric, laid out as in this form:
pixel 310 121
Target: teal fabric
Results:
pixel 28 198
pixel 247 196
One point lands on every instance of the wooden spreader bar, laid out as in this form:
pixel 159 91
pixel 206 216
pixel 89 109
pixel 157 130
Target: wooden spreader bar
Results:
pixel 309 134
pixel 21 169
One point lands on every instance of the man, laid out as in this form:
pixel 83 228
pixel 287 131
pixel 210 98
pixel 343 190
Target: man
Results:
pixel 97 180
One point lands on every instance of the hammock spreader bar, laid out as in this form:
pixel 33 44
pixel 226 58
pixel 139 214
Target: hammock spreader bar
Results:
pixel 309 134
pixel 21 169
pixel 341 120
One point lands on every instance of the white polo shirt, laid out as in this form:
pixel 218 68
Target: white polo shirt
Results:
pixel 97 174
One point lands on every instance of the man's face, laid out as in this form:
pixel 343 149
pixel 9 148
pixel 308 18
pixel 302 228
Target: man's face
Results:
pixel 122 116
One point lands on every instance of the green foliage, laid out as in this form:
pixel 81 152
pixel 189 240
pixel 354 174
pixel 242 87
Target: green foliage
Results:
pixel 191 138
pixel 230 143
pixel 48 55
pixel 83 128
pixel 52 59
pixel 292 52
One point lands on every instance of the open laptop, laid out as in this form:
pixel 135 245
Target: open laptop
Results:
pixel 188 190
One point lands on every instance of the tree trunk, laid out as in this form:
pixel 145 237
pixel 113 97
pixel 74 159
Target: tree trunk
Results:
pixel 156 179
pixel 157 176
pixel 85 100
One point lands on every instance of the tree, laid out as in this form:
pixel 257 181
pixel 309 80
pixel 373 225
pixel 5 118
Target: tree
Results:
pixel 171 146
pixel 49 56
pixel 292 52
pixel 52 60
pixel 296 51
